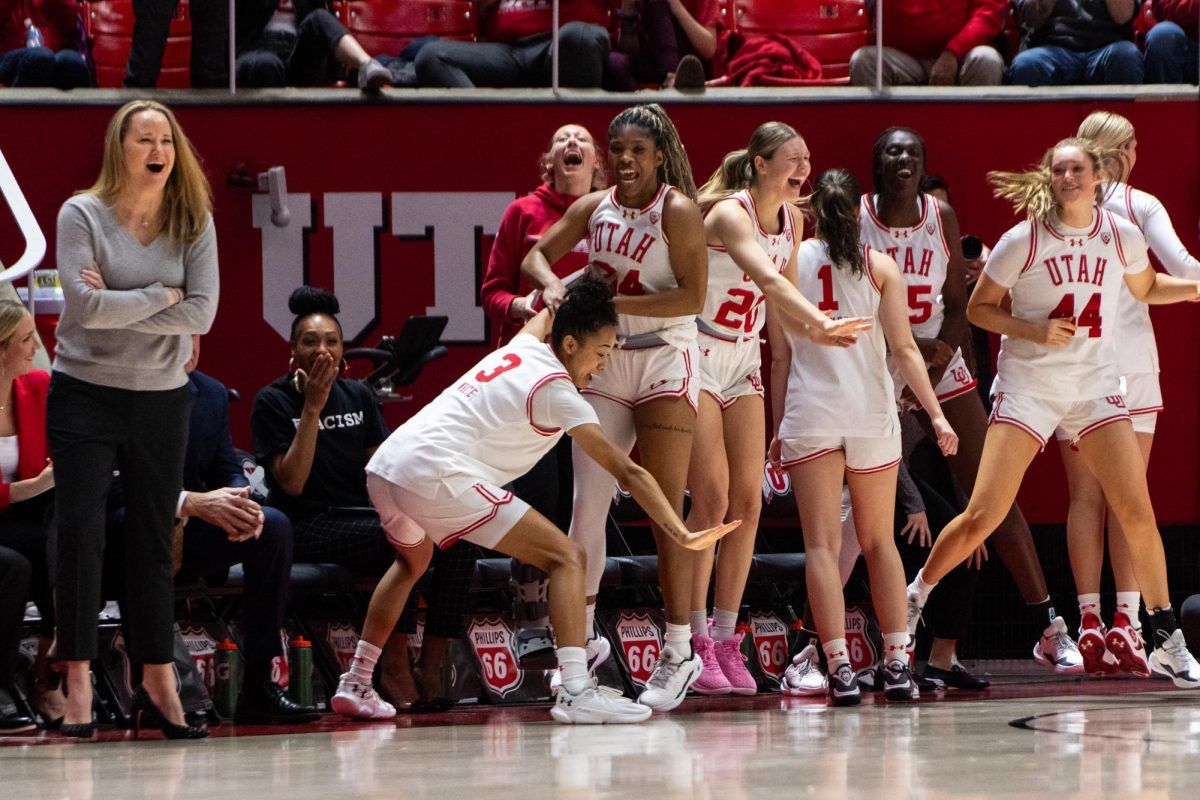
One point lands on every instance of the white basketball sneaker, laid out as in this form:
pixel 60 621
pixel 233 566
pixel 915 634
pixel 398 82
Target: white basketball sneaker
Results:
pixel 1057 650
pixel 1172 660
pixel 673 675
pixel 359 700
pixel 596 650
pixel 596 705
pixel 803 677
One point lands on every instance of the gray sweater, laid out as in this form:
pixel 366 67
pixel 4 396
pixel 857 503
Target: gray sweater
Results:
pixel 128 336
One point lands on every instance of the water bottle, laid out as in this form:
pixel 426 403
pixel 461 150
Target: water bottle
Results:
pixel 300 671
pixel 33 35
pixel 228 663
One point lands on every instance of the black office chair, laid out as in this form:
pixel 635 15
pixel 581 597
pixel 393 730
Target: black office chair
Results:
pixel 398 360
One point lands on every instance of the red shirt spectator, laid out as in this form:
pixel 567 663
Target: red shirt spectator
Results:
pixel 926 28
pixel 29 403
pixel 509 20
pixel 58 21
pixel 1184 13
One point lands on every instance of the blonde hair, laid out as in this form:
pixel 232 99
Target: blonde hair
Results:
pixel 546 163
pixel 1109 131
pixel 737 168
pixel 11 314
pixel 1030 191
pixel 652 118
pixel 187 200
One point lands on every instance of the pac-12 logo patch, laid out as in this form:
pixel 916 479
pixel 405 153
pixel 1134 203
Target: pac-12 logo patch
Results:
pixel 492 640
pixel 641 642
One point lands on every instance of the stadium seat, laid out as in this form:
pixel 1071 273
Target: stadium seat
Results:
pixel 109 27
pixel 831 30
pixel 385 27
pixel 1142 23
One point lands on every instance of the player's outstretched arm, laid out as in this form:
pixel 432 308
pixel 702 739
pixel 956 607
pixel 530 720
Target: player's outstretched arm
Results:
pixel 644 488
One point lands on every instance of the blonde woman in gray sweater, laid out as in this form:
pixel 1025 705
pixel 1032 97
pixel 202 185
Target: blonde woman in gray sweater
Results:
pixel 137 256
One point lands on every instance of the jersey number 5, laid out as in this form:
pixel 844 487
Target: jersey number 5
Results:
pixel 1088 318
pixel 511 362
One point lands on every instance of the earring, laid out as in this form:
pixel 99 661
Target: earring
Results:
pixel 345 368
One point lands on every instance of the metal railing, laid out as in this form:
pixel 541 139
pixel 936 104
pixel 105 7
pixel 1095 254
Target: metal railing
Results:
pixel 35 241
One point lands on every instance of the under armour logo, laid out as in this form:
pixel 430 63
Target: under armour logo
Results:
pixel 704 351
pixel 1075 242
pixel 900 233
pixel 628 214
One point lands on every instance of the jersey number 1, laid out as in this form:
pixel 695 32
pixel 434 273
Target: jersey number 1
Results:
pixel 1088 318
pixel 825 276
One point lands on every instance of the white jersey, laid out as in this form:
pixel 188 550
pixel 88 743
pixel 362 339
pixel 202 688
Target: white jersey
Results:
pixel 1056 272
pixel 629 247
pixel 492 424
pixel 732 306
pixel 838 391
pixel 1137 350
pixel 922 255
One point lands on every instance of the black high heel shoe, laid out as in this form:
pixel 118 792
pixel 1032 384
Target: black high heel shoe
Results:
pixel 82 730
pixel 146 713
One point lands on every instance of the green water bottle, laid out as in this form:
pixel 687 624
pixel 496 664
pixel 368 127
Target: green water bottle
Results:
pixel 300 671
pixel 228 663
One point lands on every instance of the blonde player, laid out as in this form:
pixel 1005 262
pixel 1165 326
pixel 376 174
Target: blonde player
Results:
pixel 836 420
pixel 437 479
pixel 1121 647
pixel 752 233
pixel 922 235
pixel 1063 269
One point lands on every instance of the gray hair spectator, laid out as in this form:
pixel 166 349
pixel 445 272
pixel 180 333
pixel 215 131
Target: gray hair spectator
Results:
pixel 939 44
pixel 1076 42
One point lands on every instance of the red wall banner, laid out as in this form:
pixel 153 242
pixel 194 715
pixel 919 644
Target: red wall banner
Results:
pixel 393 207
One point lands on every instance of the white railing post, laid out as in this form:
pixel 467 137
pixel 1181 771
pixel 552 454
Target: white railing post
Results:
pixel 554 18
pixel 878 45
pixel 232 46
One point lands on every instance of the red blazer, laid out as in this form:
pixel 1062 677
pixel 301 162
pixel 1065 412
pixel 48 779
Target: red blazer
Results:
pixel 29 408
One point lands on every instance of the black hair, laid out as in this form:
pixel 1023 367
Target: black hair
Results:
pixel 587 309
pixel 881 143
pixel 308 300
pixel 931 182
pixel 652 118
pixel 834 204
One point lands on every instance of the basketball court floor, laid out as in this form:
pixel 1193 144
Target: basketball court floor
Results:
pixel 1060 739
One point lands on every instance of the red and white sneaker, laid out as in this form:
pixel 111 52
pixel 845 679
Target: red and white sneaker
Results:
pixel 1097 660
pixel 712 680
pixel 1126 644
pixel 729 656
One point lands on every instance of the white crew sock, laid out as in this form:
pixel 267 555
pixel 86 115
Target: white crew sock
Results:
pixel 1129 604
pixel 1089 604
pixel 699 621
pixel 895 647
pixel 921 587
pixel 572 666
pixel 362 666
pixel 724 624
pixel 837 653
pixel 679 639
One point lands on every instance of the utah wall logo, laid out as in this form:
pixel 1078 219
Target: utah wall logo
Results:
pixel 453 221
pixel 641 642
pixel 492 640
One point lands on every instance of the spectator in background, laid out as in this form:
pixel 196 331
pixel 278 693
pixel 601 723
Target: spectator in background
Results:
pixel 1171 45
pixel 1076 42
pixel 514 47
pixel 665 42
pixel 210 42
pixel 941 44
pixel 223 526
pixel 306 46
pixel 26 500
pixel 57 61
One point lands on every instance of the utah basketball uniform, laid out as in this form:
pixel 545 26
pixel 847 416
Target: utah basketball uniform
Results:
pixel 839 398
pixel 734 314
pixel 923 257
pixel 1056 272
pixel 656 356
pixel 440 473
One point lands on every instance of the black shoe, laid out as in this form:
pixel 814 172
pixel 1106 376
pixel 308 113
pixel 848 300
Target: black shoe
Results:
pixel 535 649
pixel 957 677
pixel 843 687
pixel 16 723
pixel 146 713
pixel 79 730
pixel 689 75
pixel 898 683
pixel 269 704
pixel 928 685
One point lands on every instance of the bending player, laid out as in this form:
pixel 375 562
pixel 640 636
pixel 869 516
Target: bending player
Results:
pixel 436 479
pixel 836 421
pixel 1120 648
pixel 1063 269
pixel 752 237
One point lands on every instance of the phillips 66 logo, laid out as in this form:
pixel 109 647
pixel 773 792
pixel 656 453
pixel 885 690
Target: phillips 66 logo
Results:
pixel 641 642
pixel 343 641
pixel 770 642
pixel 858 640
pixel 200 647
pixel 492 640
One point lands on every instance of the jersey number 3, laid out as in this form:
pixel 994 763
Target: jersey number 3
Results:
pixel 511 362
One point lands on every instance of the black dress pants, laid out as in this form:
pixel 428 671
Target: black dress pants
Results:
pixel 210 42
pixel 526 62
pixel 280 59
pixel 93 430
pixel 15 576
pixel 28 528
